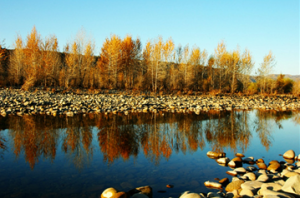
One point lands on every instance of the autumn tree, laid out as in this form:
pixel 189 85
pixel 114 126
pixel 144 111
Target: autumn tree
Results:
pixel 246 68
pixel 219 61
pixel 51 60
pixel 17 62
pixel 33 59
pixel 265 69
pixel 110 60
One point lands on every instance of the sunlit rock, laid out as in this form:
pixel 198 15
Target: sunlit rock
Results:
pixel 235 185
pixel 213 154
pixel 292 185
pixel 223 160
pixel 239 155
pixel 108 193
pixel 210 184
pixel 290 154
pixel 186 194
pixel 262 165
pixel 251 176
pixel 232 173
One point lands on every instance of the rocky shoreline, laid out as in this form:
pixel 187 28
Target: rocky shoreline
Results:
pixel 259 180
pixel 19 102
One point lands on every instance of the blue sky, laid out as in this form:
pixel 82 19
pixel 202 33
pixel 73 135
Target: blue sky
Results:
pixel 259 25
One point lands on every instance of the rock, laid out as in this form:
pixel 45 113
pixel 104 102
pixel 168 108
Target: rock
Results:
pixel 251 168
pixel 249 160
pixel 251 176
pixel 273 194
pixel 169 186
pixel 290 161
pixel 263 178
pixel 223 160
pixel 231 164
pixel 290 154
pixel 232 173
pixel 239 155
pixel 262 165
pixel 235 185
pixel 246 192
pixel 292 185
pixel 252 185
pixel 213 154
pixel 298 164
pixel 271 186
pixel 186 194
pixel 260 160
pixel 240 170
pixel 120 195
pixel 274 166
pixel 224 181
pixel 108 193
pixel 146 190
pixel 288 173
pixel 212 184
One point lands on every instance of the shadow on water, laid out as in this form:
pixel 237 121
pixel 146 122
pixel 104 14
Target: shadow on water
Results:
pixel 119 136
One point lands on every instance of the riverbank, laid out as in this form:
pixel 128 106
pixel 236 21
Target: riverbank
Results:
pixel 277 179
pixel 19 102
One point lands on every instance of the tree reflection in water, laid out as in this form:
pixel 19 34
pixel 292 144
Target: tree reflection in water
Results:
pixel 122 136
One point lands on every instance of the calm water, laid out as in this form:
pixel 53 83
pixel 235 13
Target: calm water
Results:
pixel 43 156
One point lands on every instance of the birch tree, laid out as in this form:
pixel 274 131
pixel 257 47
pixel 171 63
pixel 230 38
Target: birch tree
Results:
pixel 266 68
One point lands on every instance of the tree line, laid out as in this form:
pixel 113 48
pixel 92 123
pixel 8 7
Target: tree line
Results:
pixel 125 64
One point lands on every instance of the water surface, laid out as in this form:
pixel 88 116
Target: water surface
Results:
pixel 45 156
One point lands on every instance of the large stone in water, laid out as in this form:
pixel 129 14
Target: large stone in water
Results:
pixel 223 160
pixel 262 165
pixel 252 185
pixel 292 185
pixel 210 184
pixel 274 166
pixel 290 154
pixel 186 194
pixel 108 193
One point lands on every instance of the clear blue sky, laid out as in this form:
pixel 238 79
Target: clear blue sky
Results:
pixel 259 25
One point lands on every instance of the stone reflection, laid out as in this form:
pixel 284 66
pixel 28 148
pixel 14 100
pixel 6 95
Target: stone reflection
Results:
pixel 121 136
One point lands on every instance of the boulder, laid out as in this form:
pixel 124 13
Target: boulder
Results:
pixel 251 176
pixel 210 184
pixel 273 194
pixel 235 185
pixel 146 190
pixel 213 154
pixel 240 170
pixel 239 155
pixel 292 185
pixel 108 193
pixel 262 165
pixel 186 194
pixel 273 166
pixel 263 178
pixel 232 173
pixel 223 160
pixel 290 154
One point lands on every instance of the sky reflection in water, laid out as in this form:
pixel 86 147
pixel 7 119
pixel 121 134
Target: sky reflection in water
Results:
pixel 81 156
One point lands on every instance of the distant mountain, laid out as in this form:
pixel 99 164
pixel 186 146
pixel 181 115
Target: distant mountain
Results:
pixel 275 76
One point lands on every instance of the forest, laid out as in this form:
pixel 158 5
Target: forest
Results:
pixel 123 64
